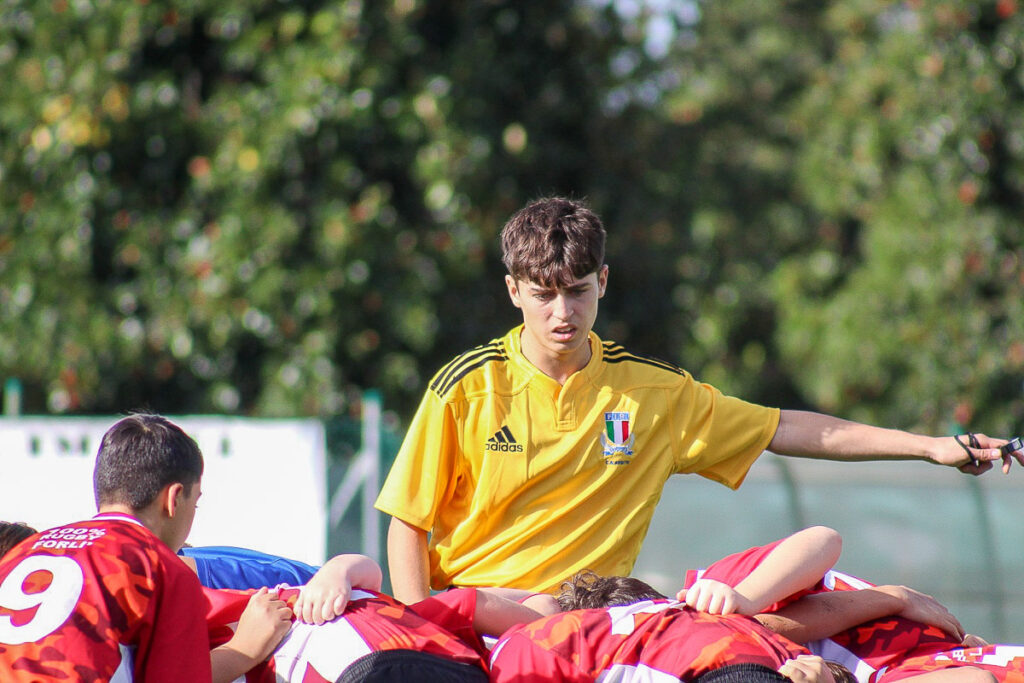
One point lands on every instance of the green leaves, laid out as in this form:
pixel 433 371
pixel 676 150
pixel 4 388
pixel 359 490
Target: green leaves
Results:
pixel 266 207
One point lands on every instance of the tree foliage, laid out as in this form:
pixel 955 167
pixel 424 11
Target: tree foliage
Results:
pixel 263 207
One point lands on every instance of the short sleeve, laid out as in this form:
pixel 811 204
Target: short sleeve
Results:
pixel 721 436
pixel 178 648
pixel 425 467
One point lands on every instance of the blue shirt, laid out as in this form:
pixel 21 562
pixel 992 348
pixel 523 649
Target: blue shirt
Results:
pixel 221 566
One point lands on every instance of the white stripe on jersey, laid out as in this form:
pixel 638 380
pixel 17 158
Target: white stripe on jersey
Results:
pixel 329 649
pixel 834 652
pixel 640 673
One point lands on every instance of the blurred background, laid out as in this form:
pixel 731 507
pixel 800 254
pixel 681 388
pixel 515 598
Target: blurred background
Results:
pixel 267 209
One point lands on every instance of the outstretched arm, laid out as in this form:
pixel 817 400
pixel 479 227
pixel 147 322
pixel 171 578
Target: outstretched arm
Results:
pixel 325 595
pixel 815 435
pixel 821 615
pixel 407 562
pixel 798 562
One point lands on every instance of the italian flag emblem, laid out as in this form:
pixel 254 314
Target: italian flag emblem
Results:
pixel 617 427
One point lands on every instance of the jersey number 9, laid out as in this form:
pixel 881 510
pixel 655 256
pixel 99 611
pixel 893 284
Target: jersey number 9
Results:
pixel 54 604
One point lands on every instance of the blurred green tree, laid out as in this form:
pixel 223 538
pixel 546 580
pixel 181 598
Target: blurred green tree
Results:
pixel 905 306
pixel 265 207
pixel 262 208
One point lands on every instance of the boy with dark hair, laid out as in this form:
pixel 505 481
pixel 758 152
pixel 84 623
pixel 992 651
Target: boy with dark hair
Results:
pixel 545 451
pixel 106 598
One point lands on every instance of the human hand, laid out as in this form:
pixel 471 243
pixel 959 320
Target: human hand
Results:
pixel 971 640
pixel 973 453
pixel 807 669
pixel 264 622
pixel 1011 450
pixel 924 608
pixel 714 597
pixel 321 600
pixel 325 596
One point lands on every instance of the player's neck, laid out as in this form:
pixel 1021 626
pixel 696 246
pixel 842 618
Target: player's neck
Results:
pixel 558 366
pixel 150 517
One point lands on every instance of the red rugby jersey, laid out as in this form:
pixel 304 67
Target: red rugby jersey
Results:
pixel 372 622
pixel 886 649
pixel 649 641
pixel 1005 662
pixel 98 600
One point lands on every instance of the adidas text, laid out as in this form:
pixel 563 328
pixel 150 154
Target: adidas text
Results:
pixel 504 447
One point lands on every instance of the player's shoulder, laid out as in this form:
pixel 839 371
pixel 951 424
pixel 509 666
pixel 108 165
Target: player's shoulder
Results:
pixel 143 554
pixel 469 365
pixel 636 367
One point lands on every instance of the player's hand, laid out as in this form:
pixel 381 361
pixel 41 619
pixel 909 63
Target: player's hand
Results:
pixel 1008 458
pixel 926 609
pixel 264 622
pixel 322 599
pixel 714 597
pixel 971 640
pixel 974 459
pixel 807 669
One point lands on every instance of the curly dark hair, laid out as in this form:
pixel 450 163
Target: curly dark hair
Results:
pixel 587 590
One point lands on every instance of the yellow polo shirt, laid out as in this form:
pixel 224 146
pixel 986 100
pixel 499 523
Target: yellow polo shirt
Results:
pixel 522 482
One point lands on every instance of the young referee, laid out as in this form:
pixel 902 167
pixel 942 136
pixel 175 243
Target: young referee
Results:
pixel 544 452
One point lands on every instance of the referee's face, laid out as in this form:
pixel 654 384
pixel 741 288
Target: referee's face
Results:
pixel 558 320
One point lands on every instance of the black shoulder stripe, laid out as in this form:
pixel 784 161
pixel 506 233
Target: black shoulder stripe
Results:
pixel 612 347
pixel 443 387
pixel 458 368
pixel 453 365
pixel 617 354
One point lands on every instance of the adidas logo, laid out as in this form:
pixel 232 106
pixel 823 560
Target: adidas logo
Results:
pixel 504 442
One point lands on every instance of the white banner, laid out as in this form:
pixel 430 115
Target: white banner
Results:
pixel 264 485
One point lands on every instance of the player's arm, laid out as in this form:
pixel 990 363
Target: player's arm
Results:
pixel 264 622
pixel 821 615
pixel 815 435
pixel 326 594
pixel 541 602
pixel 495 614
pixel 798 562
pixel 407 562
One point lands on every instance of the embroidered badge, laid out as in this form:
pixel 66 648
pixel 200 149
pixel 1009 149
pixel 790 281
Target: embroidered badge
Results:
pixel 617 441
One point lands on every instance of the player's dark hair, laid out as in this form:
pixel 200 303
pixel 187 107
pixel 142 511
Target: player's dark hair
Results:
pixel 587 590
pixel 745 672
pixel 139 456
pixel 553 242
pixel 410 666
pixel 840 673
pixel 11 534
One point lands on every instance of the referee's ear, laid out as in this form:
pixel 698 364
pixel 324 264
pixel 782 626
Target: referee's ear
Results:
pixel 513 290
